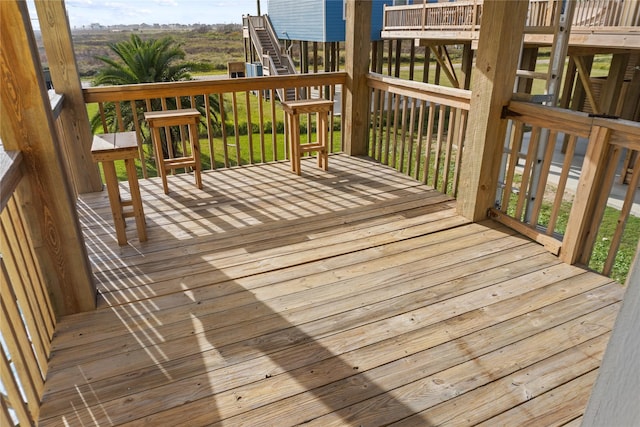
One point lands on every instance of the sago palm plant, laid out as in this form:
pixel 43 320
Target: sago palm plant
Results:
pixel 145 61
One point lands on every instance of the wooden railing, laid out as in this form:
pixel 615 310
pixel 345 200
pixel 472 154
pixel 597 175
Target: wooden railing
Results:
pixel 535 151
pixel 27 321
pixel 418 129
pixel 460 15
pixel 241 120
pixel 467 15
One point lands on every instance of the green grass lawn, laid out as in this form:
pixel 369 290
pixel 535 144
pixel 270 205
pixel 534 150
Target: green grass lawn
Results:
pixel 628 245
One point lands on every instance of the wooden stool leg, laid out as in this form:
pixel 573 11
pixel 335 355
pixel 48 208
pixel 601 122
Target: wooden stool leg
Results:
pixel 323 138
pixel 136 200
pixel 294 142
pixel 114 200
pixel 157 144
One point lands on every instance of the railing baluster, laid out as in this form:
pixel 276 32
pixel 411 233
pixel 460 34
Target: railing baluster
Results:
pixel 249 126
pixel 136 124
pixel 403 132
pixel 438 152
pixel 208 119
pixel 236 131
pixel 544 173
pixel 514 155
pixel 429 142
pixel 13 393
pixel 460 146
pixel 562 183
pixel 622 219
pixel 396 118
pixel 223 123
pixel 274 139
pixel 420 138
pixel 261 121
pixel 23 289
pixel 448 150
pixel 412 119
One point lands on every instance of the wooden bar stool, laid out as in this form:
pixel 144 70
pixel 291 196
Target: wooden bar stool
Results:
pixel 160 119
pixel 108 148
pixel 293 110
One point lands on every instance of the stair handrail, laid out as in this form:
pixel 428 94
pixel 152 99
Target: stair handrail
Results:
pixel 267 59
pixel 272 35
pixel 254 35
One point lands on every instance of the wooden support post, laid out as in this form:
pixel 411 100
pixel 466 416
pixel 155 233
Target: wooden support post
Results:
pixel 304 56
pixel 315 57
pixel 356 92
pixel 26 124
pixel 467 66
pixel 496 63
pixel 374 55
pixel 427 65
pixel 610 93
pixel 398 58
pixel 56 36
pixel 585 204
pixel 631 107
pixel 380 62
pixel 412 59
pixel 389 57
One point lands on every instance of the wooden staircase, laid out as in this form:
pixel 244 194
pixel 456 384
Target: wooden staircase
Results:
pixel 274 62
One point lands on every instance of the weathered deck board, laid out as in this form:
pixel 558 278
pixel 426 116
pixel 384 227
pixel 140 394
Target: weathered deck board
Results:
pixel 356 297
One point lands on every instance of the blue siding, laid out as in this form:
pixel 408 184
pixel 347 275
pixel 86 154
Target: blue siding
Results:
pixel 317 20
pixel 298 19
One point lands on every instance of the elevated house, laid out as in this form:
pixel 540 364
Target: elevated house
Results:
pixel 414 282
pixel 309 27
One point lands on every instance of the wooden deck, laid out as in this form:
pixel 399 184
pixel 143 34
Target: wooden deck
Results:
pixel 350 297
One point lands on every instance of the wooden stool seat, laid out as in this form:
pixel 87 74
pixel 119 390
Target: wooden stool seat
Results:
pixel 189 117
pixel 108 148
pixel 293 110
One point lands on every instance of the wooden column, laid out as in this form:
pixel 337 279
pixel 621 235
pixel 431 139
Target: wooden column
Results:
pixel 356 93
pixel 467 66
pixel 589 202
pixel 496 63
pixel 26 124
pixel 612 401
pixel 56 36
pixel 610 94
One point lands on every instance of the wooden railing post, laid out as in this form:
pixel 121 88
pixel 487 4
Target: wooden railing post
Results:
pixel 56 37
pixel 497 58
pixel 26 124
pixel 585 204
pixel 356 92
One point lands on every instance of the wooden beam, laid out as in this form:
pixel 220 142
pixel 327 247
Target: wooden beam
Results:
pixel 26 124
pixel 496 63
pixel 356 65
pixel 612 402
pixel 583 72
pixel 56 36
pixel 439 52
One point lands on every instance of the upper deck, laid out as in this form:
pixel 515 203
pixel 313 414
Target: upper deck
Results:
pixel 602 24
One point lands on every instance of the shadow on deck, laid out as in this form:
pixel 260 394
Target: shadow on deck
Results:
pixel 353 297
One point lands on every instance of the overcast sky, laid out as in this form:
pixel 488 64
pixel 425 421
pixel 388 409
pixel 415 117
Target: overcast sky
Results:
pixel 113 12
